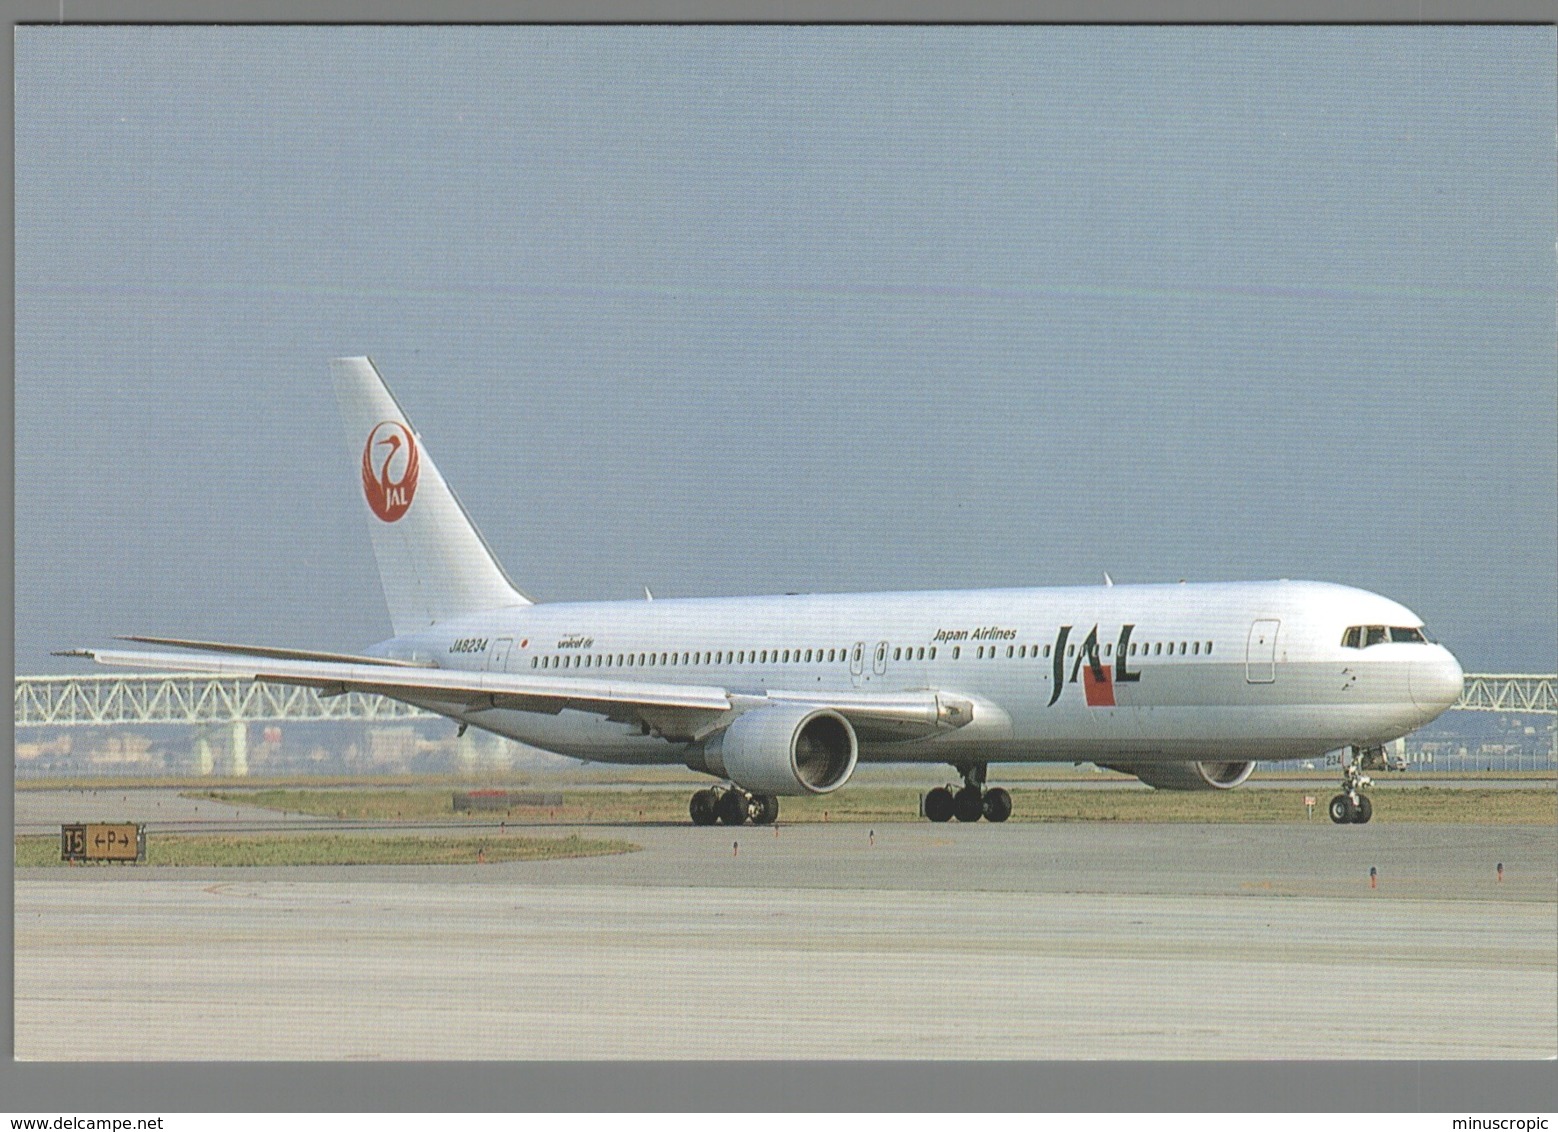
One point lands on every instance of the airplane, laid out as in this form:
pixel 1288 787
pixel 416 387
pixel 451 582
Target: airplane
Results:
pixel 1185 686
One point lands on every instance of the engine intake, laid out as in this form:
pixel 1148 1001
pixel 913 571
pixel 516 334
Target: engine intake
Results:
pixel 1187 776
pixel 784 749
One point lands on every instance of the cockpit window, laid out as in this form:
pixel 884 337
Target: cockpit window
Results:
pixel 1362 636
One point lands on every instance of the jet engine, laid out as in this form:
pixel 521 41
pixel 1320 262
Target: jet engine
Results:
pixel 784 749
pixel 1187 776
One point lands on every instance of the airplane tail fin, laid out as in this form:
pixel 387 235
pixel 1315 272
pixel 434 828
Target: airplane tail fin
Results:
pixel 432 560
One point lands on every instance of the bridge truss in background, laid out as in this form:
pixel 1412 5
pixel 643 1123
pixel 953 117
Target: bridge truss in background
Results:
pixel 65 701
pixel 1509 693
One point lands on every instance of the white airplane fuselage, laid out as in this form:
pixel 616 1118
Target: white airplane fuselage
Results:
pixel 1214 671
pixel 1184 686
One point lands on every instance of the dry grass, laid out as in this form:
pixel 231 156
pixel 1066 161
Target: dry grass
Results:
pixel 255 850
pixel 884 804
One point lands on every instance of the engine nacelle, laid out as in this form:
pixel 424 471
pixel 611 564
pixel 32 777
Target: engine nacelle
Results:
pixel 784 749
pixel 1187 776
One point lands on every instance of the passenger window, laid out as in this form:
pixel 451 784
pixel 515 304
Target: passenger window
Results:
pixel 932 652
pixel 1133 648
pixel 957 651
pixel 532 662
pixel 1157 648
pixel 1022 652
pixel 1046 650
pixel 1195 648
pixel 1109 649
pixel 922 652
pixel 1010 652
pixel 1208 648
pixel 1071 650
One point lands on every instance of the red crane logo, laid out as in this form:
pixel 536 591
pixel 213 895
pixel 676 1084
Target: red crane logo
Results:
pixel 389 470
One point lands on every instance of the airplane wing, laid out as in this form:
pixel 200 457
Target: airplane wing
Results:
pixel 683 712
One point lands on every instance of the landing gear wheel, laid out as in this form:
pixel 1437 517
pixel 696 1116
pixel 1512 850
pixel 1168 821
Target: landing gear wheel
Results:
pixel 968 804
pixel 1352 804
pixel 765 809
pixel 998 804
pixel 939 804
pixel 733 807
pixel 704 808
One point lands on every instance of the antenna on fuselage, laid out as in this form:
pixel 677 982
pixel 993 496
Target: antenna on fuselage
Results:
pixel 647 595
pixel 1108 581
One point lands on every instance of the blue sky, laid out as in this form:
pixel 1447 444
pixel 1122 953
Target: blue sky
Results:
pixel 728 310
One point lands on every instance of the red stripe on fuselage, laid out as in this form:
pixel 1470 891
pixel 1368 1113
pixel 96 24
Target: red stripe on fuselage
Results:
pixel 1100 692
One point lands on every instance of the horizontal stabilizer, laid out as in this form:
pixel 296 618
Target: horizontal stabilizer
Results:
pixel 278 654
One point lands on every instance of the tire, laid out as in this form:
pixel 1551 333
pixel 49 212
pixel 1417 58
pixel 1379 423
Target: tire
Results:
pixel 1365 810
pixel 704 808
pixel 968 804
pixel 766 810
pixel 998 805
pixel 733 808
pixel 938 804
pixel 1341 809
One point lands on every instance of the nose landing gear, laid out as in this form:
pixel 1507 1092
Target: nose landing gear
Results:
pixel 1352 806
pixel 732 806
pixel 971 801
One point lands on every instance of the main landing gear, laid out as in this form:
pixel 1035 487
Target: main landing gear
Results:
pixel 971 801
pixel 733 806
pixel 1352 805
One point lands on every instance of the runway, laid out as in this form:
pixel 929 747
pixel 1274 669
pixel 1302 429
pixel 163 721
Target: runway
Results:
pixel 826 941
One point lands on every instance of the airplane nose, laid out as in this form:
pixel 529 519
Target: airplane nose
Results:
pixel 1435 682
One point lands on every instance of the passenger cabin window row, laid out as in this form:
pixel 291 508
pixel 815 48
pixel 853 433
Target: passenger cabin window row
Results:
pixel 900 654
pixel 1138 648
pixel 1362 636
pixel 699 657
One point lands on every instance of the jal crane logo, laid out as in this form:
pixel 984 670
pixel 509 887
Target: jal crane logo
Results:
pixel 389 470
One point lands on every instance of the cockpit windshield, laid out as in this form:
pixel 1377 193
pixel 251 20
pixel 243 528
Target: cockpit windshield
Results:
pixel 1362 636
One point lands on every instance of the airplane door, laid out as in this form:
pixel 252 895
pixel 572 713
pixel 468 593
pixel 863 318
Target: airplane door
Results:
pixel 498 655
pixel 879 658
pixel 1260 657
pixel 857 663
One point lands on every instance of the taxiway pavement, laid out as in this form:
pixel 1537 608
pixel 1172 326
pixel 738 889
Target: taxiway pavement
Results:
pixel 836 941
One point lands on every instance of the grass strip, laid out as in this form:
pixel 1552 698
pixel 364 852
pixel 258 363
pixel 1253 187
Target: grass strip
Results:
pixel 256 850
pixel 885 804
